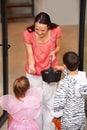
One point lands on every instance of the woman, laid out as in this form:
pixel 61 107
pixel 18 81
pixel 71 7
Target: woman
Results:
pixel 42 41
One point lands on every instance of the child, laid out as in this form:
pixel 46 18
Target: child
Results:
pixel 69 101
pixel 24 107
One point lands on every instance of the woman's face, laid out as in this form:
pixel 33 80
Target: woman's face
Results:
pixel 41 29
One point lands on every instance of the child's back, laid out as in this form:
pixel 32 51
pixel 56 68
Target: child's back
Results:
pixel 24 110
pixel 69 101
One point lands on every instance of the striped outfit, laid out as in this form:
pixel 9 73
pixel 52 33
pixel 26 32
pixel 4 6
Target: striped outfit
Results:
pixel 69 103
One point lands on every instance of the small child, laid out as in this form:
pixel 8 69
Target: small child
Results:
pixel 69 101
pixel 24 107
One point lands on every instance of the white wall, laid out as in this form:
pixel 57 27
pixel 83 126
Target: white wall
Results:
pixel 62 12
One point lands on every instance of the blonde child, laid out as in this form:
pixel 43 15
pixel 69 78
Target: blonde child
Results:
pixel 23 107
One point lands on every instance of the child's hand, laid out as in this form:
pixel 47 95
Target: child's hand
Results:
pixel 59 67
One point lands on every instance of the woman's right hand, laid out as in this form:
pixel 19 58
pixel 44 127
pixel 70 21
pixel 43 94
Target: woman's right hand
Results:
pixel 31 69
pixel 31 61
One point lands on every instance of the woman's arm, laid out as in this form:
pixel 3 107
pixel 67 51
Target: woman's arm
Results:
pixel 57 49
pixel 30 57
pixel 57 44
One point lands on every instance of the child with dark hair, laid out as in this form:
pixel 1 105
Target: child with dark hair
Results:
pixel 69 100
pixel 24 107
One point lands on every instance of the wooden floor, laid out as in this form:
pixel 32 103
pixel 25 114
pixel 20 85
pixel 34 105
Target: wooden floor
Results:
pixel 16 53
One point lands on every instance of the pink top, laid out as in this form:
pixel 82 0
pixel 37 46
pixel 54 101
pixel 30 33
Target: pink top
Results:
pixel 41 51
pixel 23 110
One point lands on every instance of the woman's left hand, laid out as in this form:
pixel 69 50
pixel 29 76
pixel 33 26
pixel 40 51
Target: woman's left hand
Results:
pixel 52 55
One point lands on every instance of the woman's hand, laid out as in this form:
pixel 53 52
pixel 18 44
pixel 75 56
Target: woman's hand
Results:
pixel 52 55
pixel 31 69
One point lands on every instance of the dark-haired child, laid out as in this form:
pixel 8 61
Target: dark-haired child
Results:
pixel 69 100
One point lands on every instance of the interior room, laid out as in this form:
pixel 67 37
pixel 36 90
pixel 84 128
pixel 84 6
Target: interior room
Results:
pixel 17 20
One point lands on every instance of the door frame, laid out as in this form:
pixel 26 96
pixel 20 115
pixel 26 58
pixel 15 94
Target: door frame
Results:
pixel 82 32
pixel 4 46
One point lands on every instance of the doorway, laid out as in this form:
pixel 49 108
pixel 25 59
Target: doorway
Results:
pixel 85 40
pixel 3 57
pixel 14 56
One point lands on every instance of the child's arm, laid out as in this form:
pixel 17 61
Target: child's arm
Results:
pixel 9 119
pixel 83 89
pixel 59 67
pixel 62 68
pixel 57 114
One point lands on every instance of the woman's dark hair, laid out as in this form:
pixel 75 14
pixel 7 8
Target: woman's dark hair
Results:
pixel 71 60
pixel 42 18
pixel 20 86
